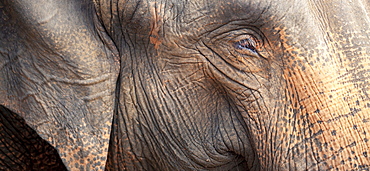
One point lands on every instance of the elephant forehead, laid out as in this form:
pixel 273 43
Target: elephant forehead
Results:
pixel 289 13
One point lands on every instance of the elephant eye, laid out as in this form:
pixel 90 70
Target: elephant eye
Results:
pixel 247 44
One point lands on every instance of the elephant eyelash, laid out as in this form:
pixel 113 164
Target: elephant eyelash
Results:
pixel 247 45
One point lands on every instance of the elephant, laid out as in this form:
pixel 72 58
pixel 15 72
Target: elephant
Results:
pixel 184 85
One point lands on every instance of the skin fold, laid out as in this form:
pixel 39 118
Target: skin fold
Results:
pixel 184 85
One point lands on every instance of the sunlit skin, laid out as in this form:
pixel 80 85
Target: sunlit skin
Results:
pixel 184 85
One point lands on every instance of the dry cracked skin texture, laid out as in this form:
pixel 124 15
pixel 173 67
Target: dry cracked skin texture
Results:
pixel 191 85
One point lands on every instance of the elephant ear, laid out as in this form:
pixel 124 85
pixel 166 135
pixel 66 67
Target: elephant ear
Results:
pixel 21 148
pixel 58 71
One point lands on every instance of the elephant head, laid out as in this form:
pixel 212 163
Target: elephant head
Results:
pixel 191 85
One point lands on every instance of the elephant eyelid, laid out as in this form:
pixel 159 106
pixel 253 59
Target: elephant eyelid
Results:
pixel 247 44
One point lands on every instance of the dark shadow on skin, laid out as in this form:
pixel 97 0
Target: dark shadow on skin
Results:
pixel 21 148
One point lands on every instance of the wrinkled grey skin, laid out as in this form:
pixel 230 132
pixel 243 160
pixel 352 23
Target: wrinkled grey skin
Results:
pixel 185 85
